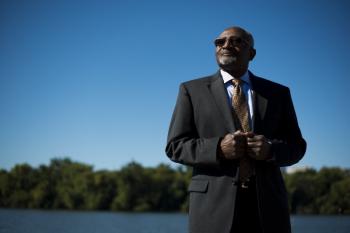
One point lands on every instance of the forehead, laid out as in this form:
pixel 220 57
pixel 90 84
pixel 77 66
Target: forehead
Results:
pixel 233 32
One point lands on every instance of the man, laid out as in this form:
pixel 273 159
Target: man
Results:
pixel 236 130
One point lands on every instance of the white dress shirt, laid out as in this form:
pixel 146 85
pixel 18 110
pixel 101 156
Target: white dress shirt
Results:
pixel 247 90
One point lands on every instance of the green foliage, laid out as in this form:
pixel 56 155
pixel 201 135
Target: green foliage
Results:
pixel 101 190
pixel 338 198
pixel 301 191
pixel 324 192
pixel 133 182
pixel 149 189
pixel 65 184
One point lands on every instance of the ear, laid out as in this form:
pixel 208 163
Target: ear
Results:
pixel 252 53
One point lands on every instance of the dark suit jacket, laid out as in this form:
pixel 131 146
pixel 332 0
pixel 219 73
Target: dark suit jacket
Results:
pixel 201 117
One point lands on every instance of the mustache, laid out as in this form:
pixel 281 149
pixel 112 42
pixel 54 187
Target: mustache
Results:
pixel 229 52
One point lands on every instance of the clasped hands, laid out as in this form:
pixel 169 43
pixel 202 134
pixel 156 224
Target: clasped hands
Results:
pixel 238 144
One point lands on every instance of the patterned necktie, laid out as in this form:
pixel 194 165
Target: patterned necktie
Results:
pixel 240 107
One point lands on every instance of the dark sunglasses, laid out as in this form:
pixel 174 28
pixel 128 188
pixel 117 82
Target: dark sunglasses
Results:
pixel 235 41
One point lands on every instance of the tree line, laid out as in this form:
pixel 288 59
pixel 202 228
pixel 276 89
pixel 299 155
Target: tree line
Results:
pixel 65 184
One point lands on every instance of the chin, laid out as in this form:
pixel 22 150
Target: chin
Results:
pixel 227 61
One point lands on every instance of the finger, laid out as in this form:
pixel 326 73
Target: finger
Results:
pixel 260 137
pixel 256 138
pixel 249 134
pixel 254 149
pixel 237 132
pixel 228 138
pixel 252 139
pixel 254 144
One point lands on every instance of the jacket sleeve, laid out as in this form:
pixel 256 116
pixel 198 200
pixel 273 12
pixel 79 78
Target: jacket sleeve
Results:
pixel 291 147
pixel 184 145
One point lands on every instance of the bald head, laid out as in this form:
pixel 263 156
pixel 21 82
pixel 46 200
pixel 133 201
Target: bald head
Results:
pixel 247 35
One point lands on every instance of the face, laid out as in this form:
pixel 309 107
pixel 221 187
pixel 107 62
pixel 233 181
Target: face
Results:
pixel 234 50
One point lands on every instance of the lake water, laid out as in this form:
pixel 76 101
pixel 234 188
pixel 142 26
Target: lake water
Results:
pixel 36 221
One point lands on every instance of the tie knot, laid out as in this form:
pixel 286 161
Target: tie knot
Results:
pixel 237 82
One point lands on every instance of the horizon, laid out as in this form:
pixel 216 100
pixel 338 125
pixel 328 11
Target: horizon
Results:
pixel 174 166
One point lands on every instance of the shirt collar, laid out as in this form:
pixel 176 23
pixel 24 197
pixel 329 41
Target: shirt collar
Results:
pixel 227 77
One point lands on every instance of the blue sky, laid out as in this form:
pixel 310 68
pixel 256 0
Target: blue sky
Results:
pixel 97 81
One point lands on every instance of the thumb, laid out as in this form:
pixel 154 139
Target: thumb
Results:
pixel 250 134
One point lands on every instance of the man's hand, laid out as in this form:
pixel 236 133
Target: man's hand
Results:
pixel 233 146
pixel 258 147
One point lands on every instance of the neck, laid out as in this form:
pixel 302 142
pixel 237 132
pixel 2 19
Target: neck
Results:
pixel 236 73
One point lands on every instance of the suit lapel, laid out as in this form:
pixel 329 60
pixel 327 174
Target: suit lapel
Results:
pixel 260 102
pixel 218 91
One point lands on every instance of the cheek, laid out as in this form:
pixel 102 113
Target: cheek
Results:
pixel 217 56
pixel 245 56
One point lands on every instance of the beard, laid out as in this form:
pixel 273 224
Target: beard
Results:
pixel 226 61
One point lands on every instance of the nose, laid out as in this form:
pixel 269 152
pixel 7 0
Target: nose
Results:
pixel 227 43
